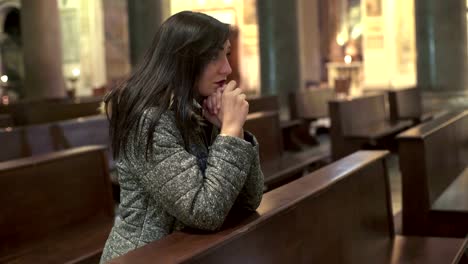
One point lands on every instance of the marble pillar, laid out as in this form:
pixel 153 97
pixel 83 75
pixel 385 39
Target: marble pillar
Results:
pixel 279 52
pixel 441 39
pixel 309 42
pixel 42 51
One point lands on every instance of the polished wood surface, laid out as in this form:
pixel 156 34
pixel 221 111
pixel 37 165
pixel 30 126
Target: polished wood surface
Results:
pixel 84 131
pixel 376 131
pixel 338 214
pixel 263 103
pixel 25 141
pixel 361 121
pixel 405 104
pixel 295 132
pixel 45 111
pixel 455 196
pixel 311 104
pixel 292 219
pixel 56 206
pixel 266 128
pixel 427 250
pixel 433 162
pixel 276 166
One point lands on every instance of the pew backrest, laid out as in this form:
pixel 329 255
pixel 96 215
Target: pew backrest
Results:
pixel 311 103
pixel 338 214
pixel 266 128
pixel 263 103
pixel 45 193
pixel 432 155
pixel 405 104
pixel 46 111
pixel 25 141
pixel 93 130
pixel 357 112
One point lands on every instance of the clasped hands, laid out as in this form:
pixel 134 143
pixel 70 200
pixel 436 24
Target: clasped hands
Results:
pixel 227 109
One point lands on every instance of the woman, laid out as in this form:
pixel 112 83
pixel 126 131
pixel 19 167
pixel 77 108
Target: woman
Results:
pixel 177 134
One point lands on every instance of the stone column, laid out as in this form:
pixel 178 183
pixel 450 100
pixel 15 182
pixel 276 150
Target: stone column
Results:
pixel 441 34
pixel 279 56
pixel 42 50
pixel 309 42
pixel 144 18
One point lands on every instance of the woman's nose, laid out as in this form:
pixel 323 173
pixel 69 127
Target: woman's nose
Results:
pixel 226 67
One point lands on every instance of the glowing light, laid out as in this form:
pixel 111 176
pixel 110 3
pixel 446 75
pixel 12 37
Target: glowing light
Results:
pixel 4 78
pixel 76 72
pixel 340 40
pixel 356 32
pixel 348 59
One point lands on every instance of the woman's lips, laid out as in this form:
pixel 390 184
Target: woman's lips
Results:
pixel 220 83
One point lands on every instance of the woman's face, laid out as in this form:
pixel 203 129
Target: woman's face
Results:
pixel 216 72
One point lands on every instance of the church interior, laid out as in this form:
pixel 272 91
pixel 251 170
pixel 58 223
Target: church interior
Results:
pixel 359 107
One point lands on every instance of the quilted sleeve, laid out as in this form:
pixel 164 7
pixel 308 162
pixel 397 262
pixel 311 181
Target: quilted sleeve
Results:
pixel 175 179
pixel 251 194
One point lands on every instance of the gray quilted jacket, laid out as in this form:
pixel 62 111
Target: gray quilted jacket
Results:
pixel 179 188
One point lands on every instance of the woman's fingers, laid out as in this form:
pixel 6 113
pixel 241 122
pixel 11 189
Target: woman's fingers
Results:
pixel 219 96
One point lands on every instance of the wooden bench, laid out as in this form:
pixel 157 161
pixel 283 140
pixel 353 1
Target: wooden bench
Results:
pixel 56 207
pixel 433 164
pixel 295 131
pixel 84 131
pixel 406 104
pixel 362 122
pixel 311 104
pixel 338 214
pixel 278 166
pixel 45 111
pixel 263 103
pixel 26 141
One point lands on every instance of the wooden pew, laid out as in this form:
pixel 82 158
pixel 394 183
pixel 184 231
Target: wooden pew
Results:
pixel 263 103
pixel 295 131
pixel 406 104
pixel 361 122
pixel 84 131
pixel 311 104
pixel 338 214
pixel 433 163
pixel 279 167
pixel 25 141
pixel 46 111
pixel 56 207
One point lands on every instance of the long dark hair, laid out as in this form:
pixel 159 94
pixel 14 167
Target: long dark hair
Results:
pixel 166 78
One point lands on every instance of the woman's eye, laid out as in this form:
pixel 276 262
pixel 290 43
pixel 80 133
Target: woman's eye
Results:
pixel 214 57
